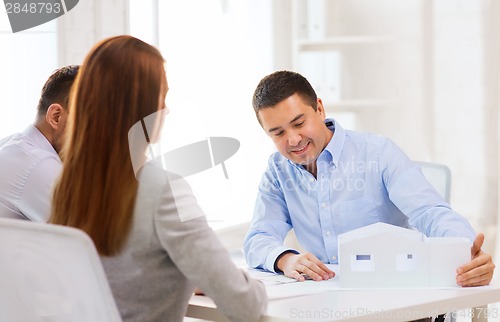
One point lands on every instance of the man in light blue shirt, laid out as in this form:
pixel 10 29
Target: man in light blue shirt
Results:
pixel 325 180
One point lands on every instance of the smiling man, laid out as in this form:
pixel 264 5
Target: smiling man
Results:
pixel 325 180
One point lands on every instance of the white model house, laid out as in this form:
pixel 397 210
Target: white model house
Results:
pixel 386 256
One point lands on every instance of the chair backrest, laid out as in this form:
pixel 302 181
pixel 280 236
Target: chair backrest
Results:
pixel 51 273
pixel 439 177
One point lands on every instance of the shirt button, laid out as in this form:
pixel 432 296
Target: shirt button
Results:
pixel 323 205
pixel 328 233
pixel 311 180
pixel 334 258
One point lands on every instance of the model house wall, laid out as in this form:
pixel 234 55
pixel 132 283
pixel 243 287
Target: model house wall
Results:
pixel 386 256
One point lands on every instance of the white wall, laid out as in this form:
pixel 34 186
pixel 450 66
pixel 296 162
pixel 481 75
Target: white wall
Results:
pixel 90 21
pixel 26 60
pixel 439 67
pixel 446 77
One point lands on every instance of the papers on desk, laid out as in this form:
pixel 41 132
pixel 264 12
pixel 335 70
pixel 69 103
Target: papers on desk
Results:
pixel 269 279
pixel 285 290
pixel 279 286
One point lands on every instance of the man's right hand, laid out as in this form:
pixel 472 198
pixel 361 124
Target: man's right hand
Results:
pixel 294 265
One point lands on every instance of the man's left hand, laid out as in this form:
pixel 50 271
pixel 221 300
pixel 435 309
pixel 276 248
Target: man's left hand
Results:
pixel 479 271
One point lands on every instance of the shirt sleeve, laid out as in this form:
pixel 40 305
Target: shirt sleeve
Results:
pixel 36 197
pixel 270 224
pixel 410 191
pixel 200 256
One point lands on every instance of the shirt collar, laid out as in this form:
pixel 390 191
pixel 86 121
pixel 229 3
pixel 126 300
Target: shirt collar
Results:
pixel 32 132
pixel 336 144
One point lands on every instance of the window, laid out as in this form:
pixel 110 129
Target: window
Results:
pixel 216 52
pixel 362 263
pixel 406 262
pixel 27 59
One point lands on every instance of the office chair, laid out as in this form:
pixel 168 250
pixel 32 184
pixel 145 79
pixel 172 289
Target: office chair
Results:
pixel 51 273
pixel 439 176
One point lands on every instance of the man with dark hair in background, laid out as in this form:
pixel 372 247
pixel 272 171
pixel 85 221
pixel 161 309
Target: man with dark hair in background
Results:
pixel 29 161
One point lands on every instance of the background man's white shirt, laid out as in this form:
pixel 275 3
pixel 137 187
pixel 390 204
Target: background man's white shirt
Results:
pixel 29 166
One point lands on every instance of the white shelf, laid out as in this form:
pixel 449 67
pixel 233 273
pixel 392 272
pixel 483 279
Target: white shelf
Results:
pixel 314 44
pixel 336 42
pixel 336 58
pixel 358 104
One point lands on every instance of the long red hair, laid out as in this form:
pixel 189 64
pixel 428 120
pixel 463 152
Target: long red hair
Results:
pixel 119 83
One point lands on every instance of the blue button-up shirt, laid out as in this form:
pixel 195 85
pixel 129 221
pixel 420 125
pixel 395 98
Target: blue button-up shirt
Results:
pixel 361 179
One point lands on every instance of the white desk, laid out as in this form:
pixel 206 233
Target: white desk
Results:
pixel 356 305
pixel 362 305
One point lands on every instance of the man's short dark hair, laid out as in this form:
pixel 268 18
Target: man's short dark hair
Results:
pixel 57 88
pixel 280 85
